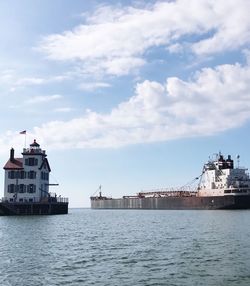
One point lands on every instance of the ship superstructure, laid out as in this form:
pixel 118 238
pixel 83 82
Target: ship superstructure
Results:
pixel 221 178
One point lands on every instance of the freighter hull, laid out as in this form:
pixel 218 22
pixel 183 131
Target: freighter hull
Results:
pixel 221 186
pixel 174 203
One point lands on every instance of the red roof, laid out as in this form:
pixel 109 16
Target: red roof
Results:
pixel 16 164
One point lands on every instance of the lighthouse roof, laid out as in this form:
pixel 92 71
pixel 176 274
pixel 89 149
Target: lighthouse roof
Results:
pixel 34 144
pixel 15 164
pixel 45 164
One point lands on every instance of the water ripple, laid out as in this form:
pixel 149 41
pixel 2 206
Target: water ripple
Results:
pixel 89 247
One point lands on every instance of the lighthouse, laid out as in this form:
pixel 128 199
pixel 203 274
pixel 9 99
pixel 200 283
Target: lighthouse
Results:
pixel 27 178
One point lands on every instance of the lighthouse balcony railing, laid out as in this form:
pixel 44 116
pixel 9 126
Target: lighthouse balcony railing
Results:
pixel 33 151
pixel 59 199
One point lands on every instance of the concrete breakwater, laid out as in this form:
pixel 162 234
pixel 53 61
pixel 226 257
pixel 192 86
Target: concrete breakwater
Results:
pixel 33 208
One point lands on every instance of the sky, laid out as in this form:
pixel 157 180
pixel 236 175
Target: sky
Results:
pixel 130 95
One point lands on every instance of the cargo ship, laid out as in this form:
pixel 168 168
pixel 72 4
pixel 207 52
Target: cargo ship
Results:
pixel 26 185
pixel 221 185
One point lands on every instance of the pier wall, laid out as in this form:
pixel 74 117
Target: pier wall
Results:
pixel 33 208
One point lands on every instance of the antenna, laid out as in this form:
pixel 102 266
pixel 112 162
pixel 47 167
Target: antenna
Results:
pixel 238 161
pixel 98 189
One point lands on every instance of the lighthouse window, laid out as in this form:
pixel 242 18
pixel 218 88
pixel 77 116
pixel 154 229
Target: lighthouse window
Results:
pixel 31 188
pixel 16 188
pixel 22 175
pixel 31 162
pixel 32 175
pixel 11 174
pixel 22 188
pixel 44 176
pixel 11 188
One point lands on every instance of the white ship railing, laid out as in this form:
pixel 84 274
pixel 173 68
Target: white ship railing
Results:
pixel 171 190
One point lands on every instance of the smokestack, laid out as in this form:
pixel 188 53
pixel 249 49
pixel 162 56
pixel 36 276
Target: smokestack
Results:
pixel 12 151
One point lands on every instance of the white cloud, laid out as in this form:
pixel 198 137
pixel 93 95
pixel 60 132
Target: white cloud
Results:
pixel 10 77
pixel 10 139
pixel 214 100
pixel 232 29
pixel 13 80
pixel 43 99
pixel 175 48
pixel 63 109
pixel 91 86
pixel 29 81
pixel 6 76
pixel 115 40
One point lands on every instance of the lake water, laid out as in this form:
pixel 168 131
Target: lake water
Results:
pixel 126 247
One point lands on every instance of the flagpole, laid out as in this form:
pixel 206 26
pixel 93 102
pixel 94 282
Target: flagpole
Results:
pixel 24 133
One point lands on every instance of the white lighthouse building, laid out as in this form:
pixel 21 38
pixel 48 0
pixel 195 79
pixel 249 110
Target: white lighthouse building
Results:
pixel 27 178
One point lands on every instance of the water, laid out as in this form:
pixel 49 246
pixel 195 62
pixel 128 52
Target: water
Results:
pixel 119 247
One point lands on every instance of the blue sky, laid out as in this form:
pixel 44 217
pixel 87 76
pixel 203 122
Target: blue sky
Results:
pixel 131 95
